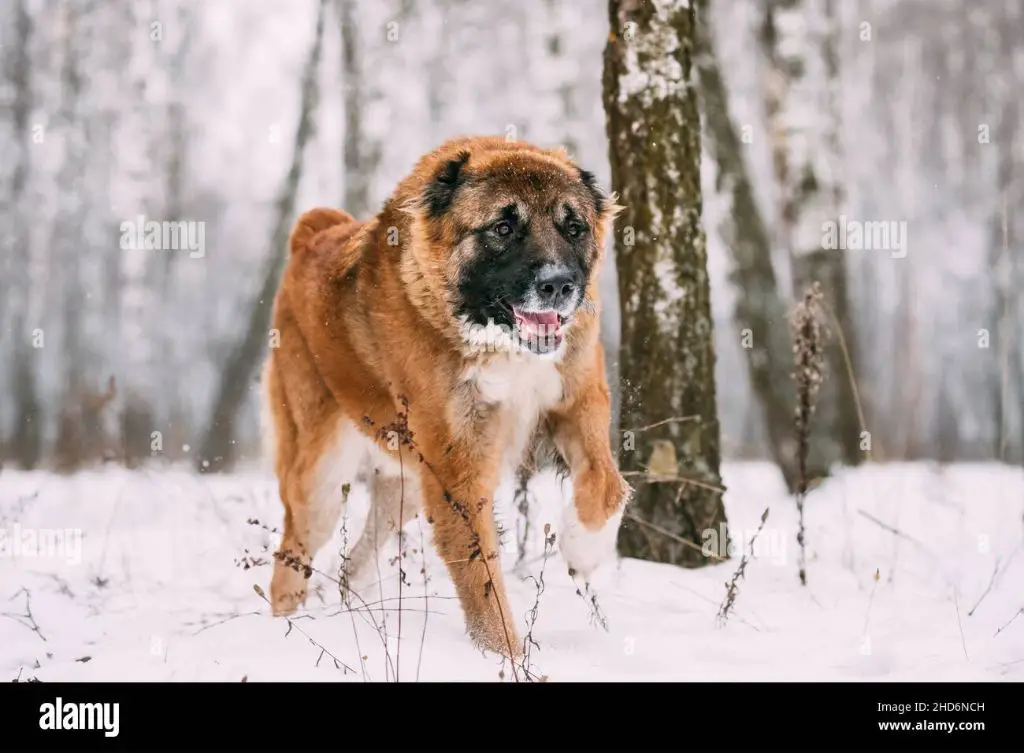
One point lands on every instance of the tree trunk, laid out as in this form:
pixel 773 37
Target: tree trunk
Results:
pixel 359 157
pixel 25 446
pixel 216 451
pixel 668 357
pixel 1003 267
pixel 799 43
pixel 760 313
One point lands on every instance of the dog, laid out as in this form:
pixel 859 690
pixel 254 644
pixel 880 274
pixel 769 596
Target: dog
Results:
pixel 428 351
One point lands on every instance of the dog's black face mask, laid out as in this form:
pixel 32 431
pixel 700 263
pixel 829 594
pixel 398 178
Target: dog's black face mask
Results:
pixel 527 259
pixel 527 275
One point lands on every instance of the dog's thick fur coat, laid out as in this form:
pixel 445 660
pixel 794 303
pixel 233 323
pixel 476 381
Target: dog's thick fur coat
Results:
pixel 374 378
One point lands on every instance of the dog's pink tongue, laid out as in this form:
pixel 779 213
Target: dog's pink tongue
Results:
pixel 541 318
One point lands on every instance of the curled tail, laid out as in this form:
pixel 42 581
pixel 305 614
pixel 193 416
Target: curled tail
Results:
pixel 310 224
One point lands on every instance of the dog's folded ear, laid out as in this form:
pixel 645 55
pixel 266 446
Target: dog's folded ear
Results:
pixel 312 223
pixel 604 203
pixel 440 192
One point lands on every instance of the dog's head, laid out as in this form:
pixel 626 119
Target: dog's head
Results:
pixel 517 233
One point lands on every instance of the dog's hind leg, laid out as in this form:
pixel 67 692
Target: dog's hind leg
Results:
pixel 394 501
pixel 316 487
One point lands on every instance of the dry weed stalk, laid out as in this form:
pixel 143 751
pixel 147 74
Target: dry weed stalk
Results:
pixel 529 643
pixel 810 338
pixel 732 587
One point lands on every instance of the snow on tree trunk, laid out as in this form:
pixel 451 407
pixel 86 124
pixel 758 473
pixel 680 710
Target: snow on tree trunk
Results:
pixel 667 358
pixel 799 43
pixel 760 313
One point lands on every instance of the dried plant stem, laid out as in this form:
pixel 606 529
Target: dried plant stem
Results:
pixel 338 663
pixel 732 587
pixel 529 643
pixel 810 337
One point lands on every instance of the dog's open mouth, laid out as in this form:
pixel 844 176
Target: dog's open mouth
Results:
pixel 540 330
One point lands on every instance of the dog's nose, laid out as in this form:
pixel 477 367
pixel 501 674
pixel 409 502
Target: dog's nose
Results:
pixel 555 287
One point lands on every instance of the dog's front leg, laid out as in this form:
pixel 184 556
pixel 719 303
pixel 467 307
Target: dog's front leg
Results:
pixel 458 492
pixel 590 525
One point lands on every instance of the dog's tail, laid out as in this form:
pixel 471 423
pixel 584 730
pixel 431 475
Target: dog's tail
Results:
pixel 310 224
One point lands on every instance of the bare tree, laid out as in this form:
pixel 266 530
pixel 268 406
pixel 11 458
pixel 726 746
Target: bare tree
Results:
pixel 360 155
pixel 760 313
pixel 26 438
pixel 1003 262
pixel 80 436
pixel 667 361
pixel 799 42
pixel 216 449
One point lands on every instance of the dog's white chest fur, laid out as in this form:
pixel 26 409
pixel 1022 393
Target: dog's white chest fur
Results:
pixel 524 386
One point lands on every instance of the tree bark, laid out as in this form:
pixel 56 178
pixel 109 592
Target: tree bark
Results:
pixel 216 451
pixel 760 313
pixel 667 357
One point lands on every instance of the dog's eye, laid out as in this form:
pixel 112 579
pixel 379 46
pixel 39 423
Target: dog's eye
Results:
pixel 574 229
pixel 503 229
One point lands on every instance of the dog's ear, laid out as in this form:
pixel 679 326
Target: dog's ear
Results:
pixel 604 204
pixel 440 193
pixel 590 182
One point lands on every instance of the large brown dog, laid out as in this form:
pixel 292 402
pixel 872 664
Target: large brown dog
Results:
pixel 432 349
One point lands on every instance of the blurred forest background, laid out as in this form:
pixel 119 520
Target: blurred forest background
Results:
pixel 241 113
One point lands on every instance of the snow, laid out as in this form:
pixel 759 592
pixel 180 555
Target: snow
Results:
pixel 155 592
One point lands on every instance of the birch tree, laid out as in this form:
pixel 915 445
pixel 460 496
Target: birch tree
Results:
pixel 26 437
pixel 360 156
pixel 216 450
pixel 669 414
pixel 760 313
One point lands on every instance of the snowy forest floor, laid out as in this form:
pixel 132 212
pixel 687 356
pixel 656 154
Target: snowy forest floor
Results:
pixel 158 591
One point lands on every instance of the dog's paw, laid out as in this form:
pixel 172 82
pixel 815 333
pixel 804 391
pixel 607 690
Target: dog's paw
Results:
pixel 287 590
pixel 495 637
pixel 585 548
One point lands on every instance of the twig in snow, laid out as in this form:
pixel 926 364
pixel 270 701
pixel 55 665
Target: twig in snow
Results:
pixel 896 532
pixel 590 599
pixel 26 619
pixel 988 588
pixel 296 563
pixel 650 477
pixel 426 595
pixel 338 663
pixel 1018 613
pixel 528 642
pixel 675 537
pixel 229 618
pixel 732 587
pixel 963 641
pixel 676 419
pixel 714 603
pixel 343 579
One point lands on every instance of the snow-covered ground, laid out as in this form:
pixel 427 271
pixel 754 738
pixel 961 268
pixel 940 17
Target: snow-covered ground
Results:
pixel 149 583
